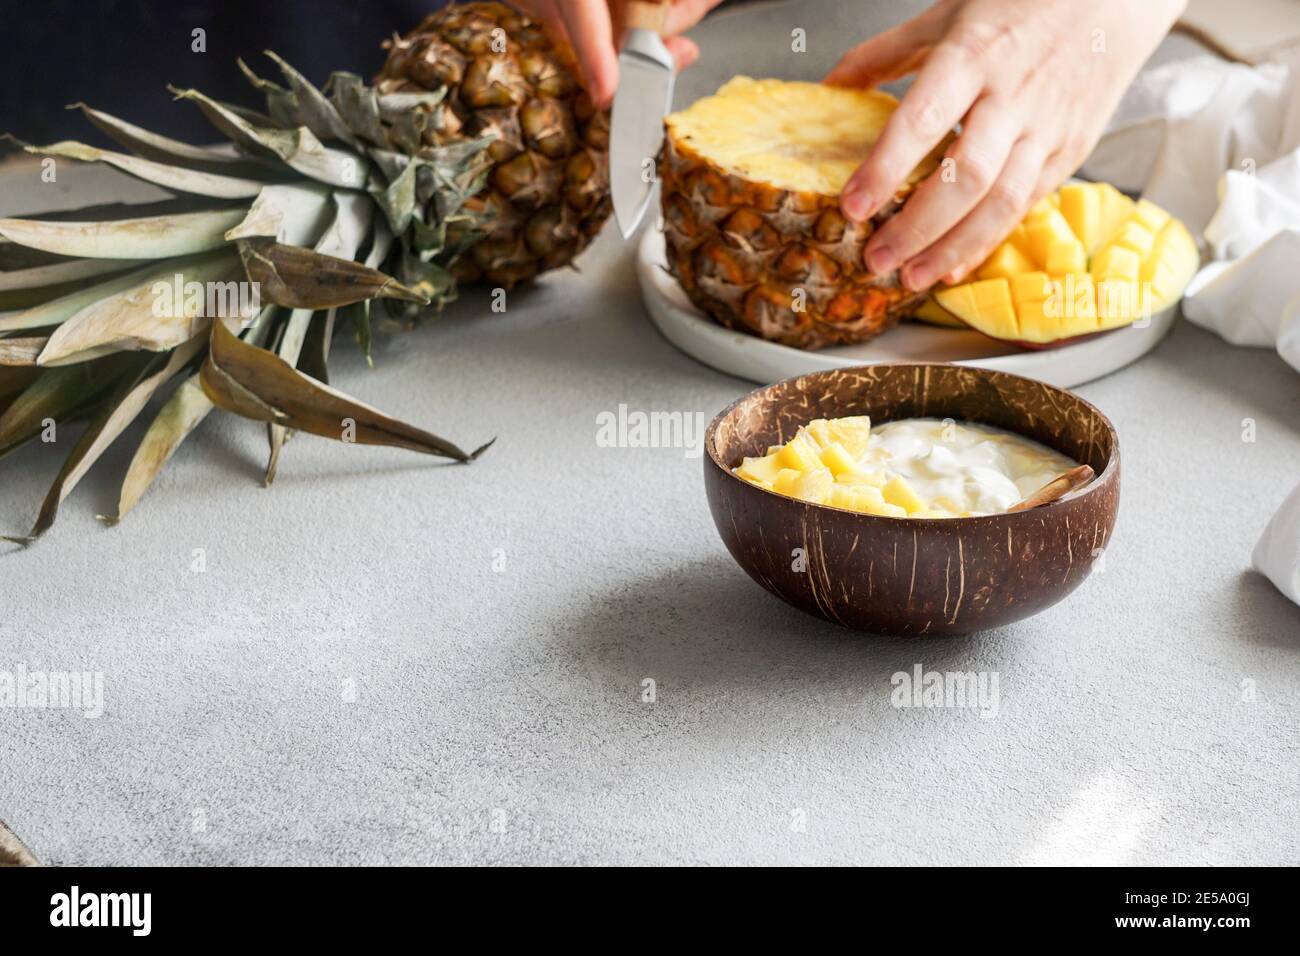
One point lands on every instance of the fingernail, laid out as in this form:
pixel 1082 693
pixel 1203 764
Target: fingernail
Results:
pixel 856 204
pixel 881 260
pixel 916 279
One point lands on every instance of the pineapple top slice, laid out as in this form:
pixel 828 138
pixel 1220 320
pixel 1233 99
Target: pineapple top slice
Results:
pixel 806 137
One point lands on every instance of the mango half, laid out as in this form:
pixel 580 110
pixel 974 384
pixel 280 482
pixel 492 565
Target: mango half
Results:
pixel 1087 259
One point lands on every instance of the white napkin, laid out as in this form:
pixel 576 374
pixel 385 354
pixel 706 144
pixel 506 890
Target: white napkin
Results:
pixel 1218 145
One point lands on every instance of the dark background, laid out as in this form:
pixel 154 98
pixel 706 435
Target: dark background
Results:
pixel 120 55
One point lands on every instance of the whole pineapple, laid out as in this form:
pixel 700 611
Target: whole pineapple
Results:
pixel 751 181
pixel 548 192
pixel 476 155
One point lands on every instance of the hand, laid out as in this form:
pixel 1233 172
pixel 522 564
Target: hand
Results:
pixel 1032 85
pixel 594 29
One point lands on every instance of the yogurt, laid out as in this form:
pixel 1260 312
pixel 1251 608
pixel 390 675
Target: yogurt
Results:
pixel 962 468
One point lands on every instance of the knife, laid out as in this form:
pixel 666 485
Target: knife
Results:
pixel 644 97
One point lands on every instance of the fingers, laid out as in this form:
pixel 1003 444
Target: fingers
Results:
pixel 889 55
pixel 592 34
pixel 947 195
pixel 684 14
pixel 684 51
pixel 997 214
pixel 943 92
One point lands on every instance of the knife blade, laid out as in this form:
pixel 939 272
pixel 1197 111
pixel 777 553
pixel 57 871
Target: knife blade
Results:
pixel 645 95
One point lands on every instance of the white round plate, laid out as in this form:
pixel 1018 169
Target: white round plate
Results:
pixel 766 362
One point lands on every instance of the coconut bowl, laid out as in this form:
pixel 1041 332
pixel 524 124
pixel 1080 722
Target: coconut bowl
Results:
pixel 913 576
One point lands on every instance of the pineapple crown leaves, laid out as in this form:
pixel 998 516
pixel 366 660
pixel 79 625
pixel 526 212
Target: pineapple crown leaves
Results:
pixel 316 200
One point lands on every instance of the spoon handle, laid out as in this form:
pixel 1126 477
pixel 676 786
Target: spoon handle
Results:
pixel 1056 488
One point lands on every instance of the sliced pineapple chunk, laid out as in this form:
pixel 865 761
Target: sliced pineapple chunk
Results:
pixel 838 460
pixel 898 492
pixel 822 464
pixel 800 453
pixel 760 470
pixel 853 432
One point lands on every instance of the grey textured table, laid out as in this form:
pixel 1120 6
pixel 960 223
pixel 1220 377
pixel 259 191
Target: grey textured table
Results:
pixel 392 660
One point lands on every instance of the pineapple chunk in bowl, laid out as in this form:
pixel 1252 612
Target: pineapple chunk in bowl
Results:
pixel 913 576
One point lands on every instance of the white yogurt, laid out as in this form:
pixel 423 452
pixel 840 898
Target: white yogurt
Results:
pixel 962 468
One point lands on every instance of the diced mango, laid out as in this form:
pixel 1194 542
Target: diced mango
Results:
pixel 931 312
pixel 1040 321
pixel 1044 232
pixel 1064 258
pixel 1031 287
pixel 1073 299
pixel 1020 239
pixel 1006 261
pixel 1116 209
pixel 1119 302
pixel 1116 262
pixel 1135 236
pixel 1081 205
pixel 1086 259
pixel 985 304
pixel 1150 215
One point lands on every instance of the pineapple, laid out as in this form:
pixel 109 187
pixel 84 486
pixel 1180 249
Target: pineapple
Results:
pixel 821 464
pixel 751 178
pixel 476 155
pixel 1087 259
pixel 548 192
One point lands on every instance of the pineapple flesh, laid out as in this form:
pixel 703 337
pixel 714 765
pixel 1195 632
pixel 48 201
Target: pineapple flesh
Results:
pixel 751 178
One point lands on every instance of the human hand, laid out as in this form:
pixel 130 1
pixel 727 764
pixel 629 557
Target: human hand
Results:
pixel 1032 85
pixel 594 29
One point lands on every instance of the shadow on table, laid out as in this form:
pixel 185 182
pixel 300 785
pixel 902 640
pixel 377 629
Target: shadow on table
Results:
pixel 708 623
pixel 1255 599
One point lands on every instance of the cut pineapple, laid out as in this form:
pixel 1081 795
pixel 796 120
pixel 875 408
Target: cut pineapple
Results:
pixel 898 492
pixel 751 181
pixel 1085 260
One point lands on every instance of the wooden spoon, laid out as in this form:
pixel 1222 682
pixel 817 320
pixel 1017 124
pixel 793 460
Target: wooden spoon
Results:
pixel 1056 488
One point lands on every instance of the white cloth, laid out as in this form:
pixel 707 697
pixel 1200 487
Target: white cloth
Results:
pixel 1218 145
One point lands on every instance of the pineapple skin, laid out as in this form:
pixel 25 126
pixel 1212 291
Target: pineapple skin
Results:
pixel 547 193
pixel 743 249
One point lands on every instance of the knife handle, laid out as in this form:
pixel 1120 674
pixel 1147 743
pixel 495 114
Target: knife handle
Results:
pixel 649 15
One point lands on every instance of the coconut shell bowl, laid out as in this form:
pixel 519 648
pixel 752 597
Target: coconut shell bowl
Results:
pixel 913 576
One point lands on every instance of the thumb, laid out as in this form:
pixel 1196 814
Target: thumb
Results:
pixel 892 54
